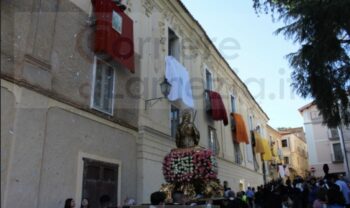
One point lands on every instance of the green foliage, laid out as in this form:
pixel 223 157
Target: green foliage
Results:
pixel 322 64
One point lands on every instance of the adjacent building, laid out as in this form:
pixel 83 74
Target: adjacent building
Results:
pixel 79 100
pixel 294 150
pixel 324 144
pixel 289 150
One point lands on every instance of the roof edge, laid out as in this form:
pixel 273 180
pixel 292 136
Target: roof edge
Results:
pixel 306 106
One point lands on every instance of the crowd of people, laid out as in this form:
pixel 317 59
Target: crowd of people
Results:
pixel 104 202
pixel 328 192
pixel 331 191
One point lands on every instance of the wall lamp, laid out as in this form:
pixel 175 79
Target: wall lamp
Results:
pixel 165 88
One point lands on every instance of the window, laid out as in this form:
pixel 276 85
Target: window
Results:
pixel 208 80
pixel 333 134
pixel 208 86
pixel 103 87
pixel 238 153
pixel 174 119
pixel 285 143
pixel 286 160
pixel 249 147
pixel 233 104
pixel 99 179
pixel 337 152
pixel 173 45
pixel 250 122
pixel 117 22
pixel 213 143
pixel 315 115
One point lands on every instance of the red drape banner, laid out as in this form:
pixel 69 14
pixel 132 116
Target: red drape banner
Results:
pixel 114 33
pixel 217 108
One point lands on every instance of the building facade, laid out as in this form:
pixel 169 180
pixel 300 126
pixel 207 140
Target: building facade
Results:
pixel 324 144
pixel 294 150
pixel 72 120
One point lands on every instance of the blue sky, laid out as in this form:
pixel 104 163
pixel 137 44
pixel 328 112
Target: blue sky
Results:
pixel 257 55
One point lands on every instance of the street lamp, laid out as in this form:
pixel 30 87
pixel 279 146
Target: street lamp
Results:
pixel 165 88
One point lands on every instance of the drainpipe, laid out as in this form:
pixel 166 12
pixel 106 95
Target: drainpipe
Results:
pixel 342 143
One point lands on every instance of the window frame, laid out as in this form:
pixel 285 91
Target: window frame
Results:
pixel 215 142
pixel 239 158
pixel 171 123
pixel 315 115
pixel 284 160
pixel 333 152
pixel 287 140
pixel 80 173
pixel 330 134
pixel 169 45
pixel 249 147
pixel 250 122
pixel 92 99
pixel 233 105
pixel 259 129
pixel 206 69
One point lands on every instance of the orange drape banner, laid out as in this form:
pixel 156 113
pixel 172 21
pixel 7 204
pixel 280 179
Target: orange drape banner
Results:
pixel 239 131
pixel 258 143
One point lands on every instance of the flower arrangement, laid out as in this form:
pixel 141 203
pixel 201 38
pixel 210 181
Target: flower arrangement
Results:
pixel 189 165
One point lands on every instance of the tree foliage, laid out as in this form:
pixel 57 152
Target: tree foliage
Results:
pixel 322 64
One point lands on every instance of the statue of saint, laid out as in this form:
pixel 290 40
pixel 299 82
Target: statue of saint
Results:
pixel 187 134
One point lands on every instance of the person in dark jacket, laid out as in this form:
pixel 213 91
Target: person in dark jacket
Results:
pixel 158 198
pixel 238 201
pixel 258 198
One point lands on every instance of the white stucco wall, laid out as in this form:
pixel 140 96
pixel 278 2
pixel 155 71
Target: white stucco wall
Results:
pixel 40 168
pixel 319 144
pixel 7 122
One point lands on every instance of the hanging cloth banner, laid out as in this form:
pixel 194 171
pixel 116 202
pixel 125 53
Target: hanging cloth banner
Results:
pixel 281 171
pixel 267 150
pixel 217 109
pixel 239 133
pixel 114 34
pixel 179 78
pixel 258 143
pixel 286 170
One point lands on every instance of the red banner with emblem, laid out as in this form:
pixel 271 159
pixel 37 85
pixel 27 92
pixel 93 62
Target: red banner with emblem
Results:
pixel 114 33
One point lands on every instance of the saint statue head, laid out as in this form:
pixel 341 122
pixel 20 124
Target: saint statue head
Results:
pixel 186 116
